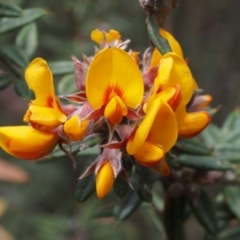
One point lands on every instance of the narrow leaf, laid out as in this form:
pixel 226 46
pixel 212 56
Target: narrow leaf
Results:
pixel 228 151
pixel 22 89
pixel 232 196
pixel 192 146
pixel 203 162
pixel 27 39
pixel 9 10
pixel 232 122
pixel 61 67
pixel 66 85
pixel 121 187
pixel 85 188
pixel 128 206
pixel 204 210
pixel 211 135
pixel 15 55
pixel 27 16
pixel 230 234
pixel 5 81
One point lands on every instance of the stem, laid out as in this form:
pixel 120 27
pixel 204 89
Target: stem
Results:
pixel 153 31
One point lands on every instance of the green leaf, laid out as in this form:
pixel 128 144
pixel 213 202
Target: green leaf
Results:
pixel 232 197
pixel 5 81
pixel 27 16
pixel 89 151
pixel 232 122
pixel 128 206
pixel 61 67
pixel 14 55
pixel 230 234
pixel 121 187
pixel 228 151
pixel 9 10
pixel 22 89
pixel 211 135
pixel 203 162
pixel 85 188
pixel 204 210
pixel 66 85
pixel 27 39
pixel 192 146
pixel 233 137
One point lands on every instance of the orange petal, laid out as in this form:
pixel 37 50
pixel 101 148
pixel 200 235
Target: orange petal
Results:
pixel 194 123
pixel 105 180
pixel 75 129
pixel 26 142
pixel 176 48
pixel 114 73
pixel 39 78
pixel 41 118
pixel 149 154
pixel 115 110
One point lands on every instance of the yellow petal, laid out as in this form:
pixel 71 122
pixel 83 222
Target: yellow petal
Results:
pixel 176 48
pixel 75 129
pixel 115 110
pixel 105 180
pixel 164 129
pixel 26 142
pixel 194 123
pixel 179 74
pixel 41 118
pixel 149 154
pixel 98 36
pixel 114 73
pixel 39 78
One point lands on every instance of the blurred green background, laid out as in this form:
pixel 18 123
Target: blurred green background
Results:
pixel 44 208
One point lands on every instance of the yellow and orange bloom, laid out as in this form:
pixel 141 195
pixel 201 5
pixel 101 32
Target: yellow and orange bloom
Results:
pixel 115 83
pixel 26 142
pixel 156 134
pixel 44 113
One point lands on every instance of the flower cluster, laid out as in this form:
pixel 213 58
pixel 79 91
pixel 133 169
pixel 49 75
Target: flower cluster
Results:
pixel 138 115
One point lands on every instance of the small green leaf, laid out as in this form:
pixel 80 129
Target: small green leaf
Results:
pixel 27 39
pixel 233 137
pixel 5 81
pixel 27 16
pixel 85 188
pixel 22 89
pixel 61 67
pixel 228 151
pixel 203 162
pixel 232 122
pixel 192 146
pixel 204 210
pixel 121 187
pixel 66 85
pixel 89 151
pixel 14 55
pixel 9 10
pixel 232 196
pixel 211 135
pixel 128 206
pixel 144 192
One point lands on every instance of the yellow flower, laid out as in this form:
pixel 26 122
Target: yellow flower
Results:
pixel 75 129
pixel 175 46
pixel 44 113
pixel 115 83
pixel 26 142
pixel 99 36
pixel 105 180
pixel 155 135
